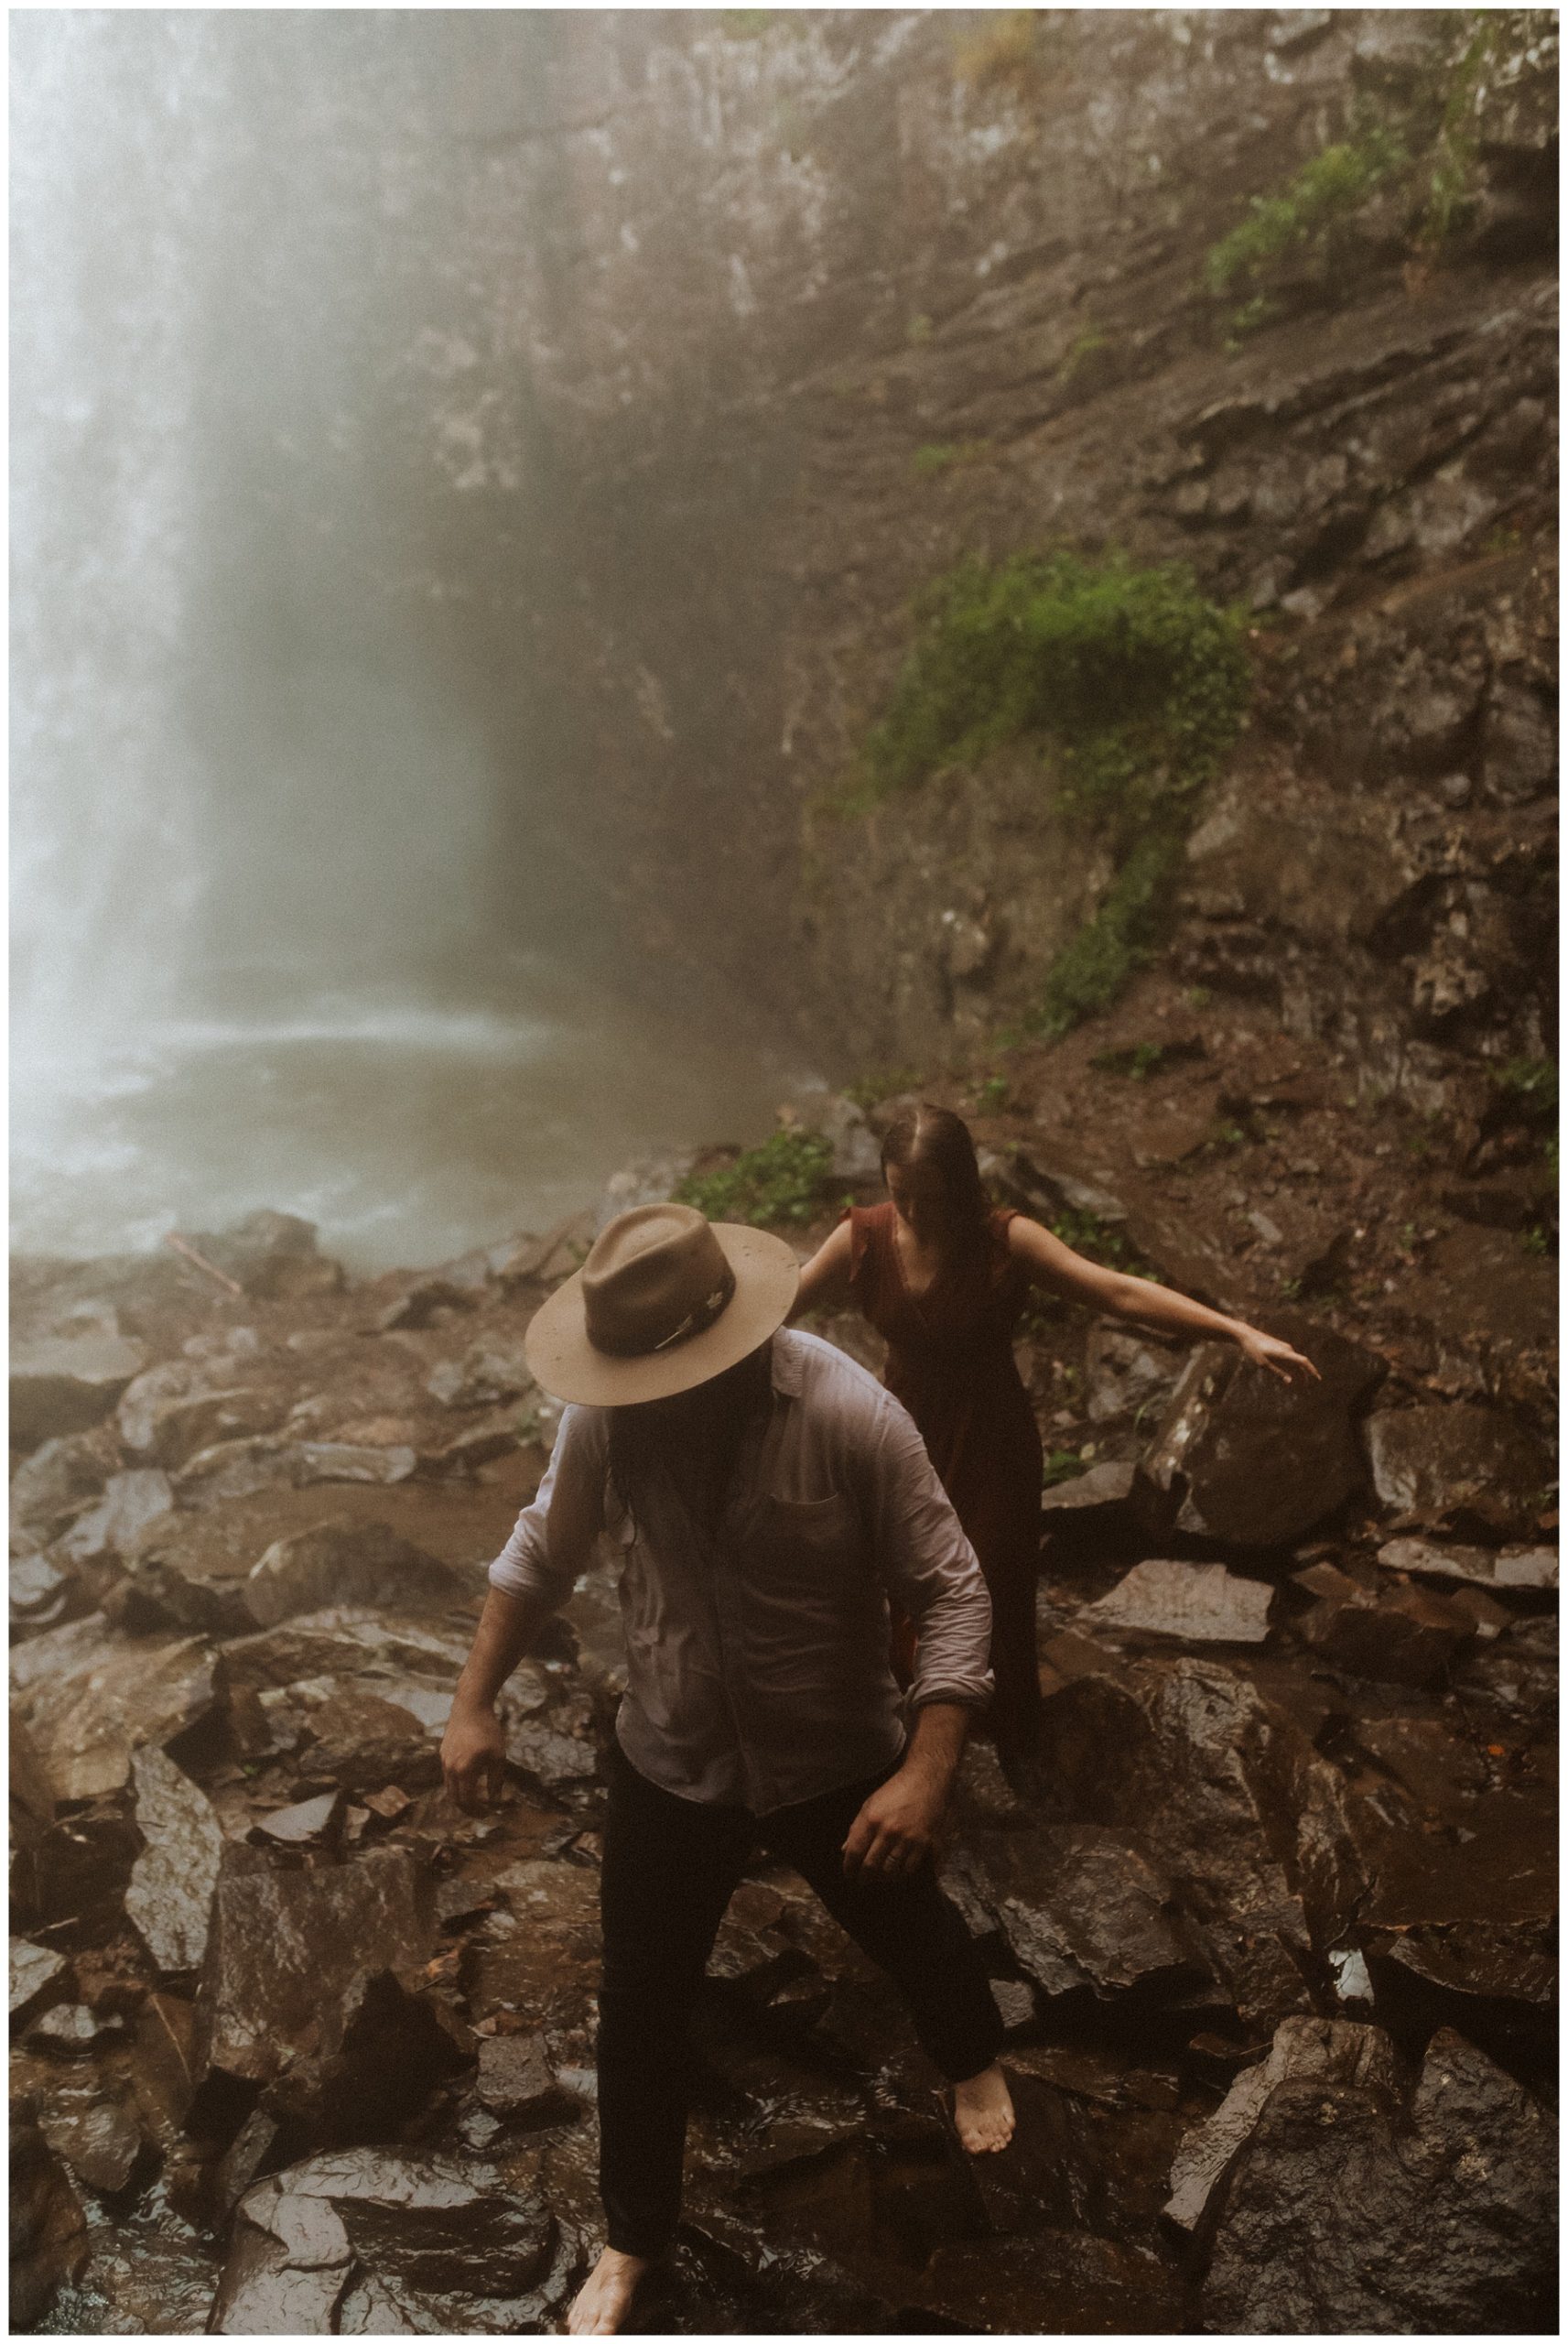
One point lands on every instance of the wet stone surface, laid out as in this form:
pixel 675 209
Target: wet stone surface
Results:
pixel 312 2051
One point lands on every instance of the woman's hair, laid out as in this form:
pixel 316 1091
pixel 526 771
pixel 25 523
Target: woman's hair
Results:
pixel 934 1141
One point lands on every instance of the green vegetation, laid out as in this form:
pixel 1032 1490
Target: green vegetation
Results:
pixel 1088 1235
pixel 1138 681
pixel 781 1180
pixel 948 455
pixel 1531 1085
pixel 918 330
pixel 993 1094
pixel 1062 1465
pixel 746 24
pixel 1136 1062
pixel 872 1089
pixel 1303 216
pixel 1420 149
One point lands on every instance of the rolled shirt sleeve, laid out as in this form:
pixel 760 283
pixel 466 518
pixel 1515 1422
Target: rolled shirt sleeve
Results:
pixel 551 1537
pixel 929 1569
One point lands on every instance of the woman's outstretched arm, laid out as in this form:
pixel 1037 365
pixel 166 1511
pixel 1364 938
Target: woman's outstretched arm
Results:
pixel 825 1280
pixel 1055 1266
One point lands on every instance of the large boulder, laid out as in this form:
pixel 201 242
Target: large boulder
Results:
pixel 58 1480
pixel 1348 2210
pixel 272 1255
pixel 1245 1458
pixel 64 1384
pixel 1461 1467
pixel 173 1411
pixel 1099 1912
pixel 288 1949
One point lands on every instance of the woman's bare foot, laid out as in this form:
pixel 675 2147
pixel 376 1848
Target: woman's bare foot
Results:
pixel 606 2294
pixel 982 2112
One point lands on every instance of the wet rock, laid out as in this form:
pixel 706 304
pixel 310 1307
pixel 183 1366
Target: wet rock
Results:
pixel 1199 1603
pixel 422 1301
pixel 66 1383
pixel 36 1972
pixel 1345 2214
pixel 1090 1503
pixel 482 1443
pixel 1014 1999
pixel 243 2160
pixel 1303 2049
pixel 72 2029
pixel 370 2243
pixel 1125 1374
pixel 544 1261
pixel 273 1256
pixel 342 1640
pixel 49 2228
pixel 57 1480
pixel 287 1948
pixel 1465 1465
pixel 89 1695
pixel 239 1469
pixel 155 1597
pixel 1195 1744
pixel 1084 2285
pixel 515 2082
pixel 1102 1916
pixel 1495 1980
pixel 556 1761
pixel 345 1561
pixel 310 1822
pixel 169 1900
pixel 857 1151
pixel 42 1595
pixel 1402 1635
pixel 387 2050
pixel 362 1741
pixel 166 1415
pixel 167 2061
pixel 95 2133
pixel 488 1374
pixel 1528 1568
pixel 131 1502
pixel 1242 1457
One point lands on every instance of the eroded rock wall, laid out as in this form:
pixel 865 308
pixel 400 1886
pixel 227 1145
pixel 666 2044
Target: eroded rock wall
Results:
pixel 818 303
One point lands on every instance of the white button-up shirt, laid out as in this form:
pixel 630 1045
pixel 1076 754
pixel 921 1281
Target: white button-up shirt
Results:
pixel 758 1668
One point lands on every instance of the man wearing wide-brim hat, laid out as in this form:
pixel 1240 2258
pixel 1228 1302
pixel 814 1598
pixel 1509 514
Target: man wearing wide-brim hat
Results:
pixel 767 1497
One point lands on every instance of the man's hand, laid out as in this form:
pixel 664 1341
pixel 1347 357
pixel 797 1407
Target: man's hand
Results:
pixel 473 1756
pixel 893 1833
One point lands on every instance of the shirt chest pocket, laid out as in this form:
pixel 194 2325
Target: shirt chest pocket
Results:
pixel 805 1548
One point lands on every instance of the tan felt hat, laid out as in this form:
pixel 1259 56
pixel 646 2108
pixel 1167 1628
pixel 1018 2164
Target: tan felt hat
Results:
pixel 666 1300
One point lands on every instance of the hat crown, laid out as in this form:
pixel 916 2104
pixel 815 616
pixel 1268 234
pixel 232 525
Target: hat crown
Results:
pixel 654 1276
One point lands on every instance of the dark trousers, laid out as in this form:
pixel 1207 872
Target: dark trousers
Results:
pixel 669 1869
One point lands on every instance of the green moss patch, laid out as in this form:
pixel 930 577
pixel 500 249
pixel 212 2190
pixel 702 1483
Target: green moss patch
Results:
pixel 782 1180
pixel 1136 681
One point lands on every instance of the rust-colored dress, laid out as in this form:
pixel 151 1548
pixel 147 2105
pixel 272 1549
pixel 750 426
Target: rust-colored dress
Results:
pixel 950 1362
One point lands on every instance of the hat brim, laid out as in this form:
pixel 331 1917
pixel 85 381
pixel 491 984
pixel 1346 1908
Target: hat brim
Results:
pixel 562 1360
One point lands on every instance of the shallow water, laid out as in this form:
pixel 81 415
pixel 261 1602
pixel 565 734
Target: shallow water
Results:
pixel 408 1132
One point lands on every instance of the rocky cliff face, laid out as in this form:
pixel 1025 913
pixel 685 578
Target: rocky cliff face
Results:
pixel 811 306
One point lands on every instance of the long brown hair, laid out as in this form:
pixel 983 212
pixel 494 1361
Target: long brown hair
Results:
pixel 935 1141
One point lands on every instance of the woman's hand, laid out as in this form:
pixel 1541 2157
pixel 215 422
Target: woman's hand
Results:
pixel 1267 1351
pixel 474 1757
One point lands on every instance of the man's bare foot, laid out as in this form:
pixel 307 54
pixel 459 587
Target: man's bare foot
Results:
pixel 606 2294
pixel 982 2112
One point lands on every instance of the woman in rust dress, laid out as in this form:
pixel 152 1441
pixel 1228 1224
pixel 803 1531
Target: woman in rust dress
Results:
pixel 944 1278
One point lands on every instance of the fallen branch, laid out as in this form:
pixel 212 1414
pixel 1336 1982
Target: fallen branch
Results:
pixel 190 1253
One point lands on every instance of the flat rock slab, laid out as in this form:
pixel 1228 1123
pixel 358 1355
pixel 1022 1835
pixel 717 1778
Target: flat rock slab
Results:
pixel 288 1947
pixel 1463 1463
pixel 169 1901
pixel 1531 1568
pixel 232 1470
pixel 517 2081
pixel 90 1696
pixel 1198 1602
pixel 1099 1915
pixel 344 1561
pixel 366 2242
pixel 1396 1636
pixel 1242 1457
pixel 67 1383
